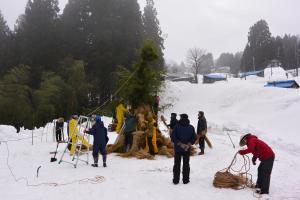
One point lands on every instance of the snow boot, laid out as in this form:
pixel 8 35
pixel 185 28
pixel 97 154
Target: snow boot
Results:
pixel 175 181
pixel 201 152
pixel 95 162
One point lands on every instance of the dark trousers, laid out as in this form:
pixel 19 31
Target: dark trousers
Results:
pixel 58 135
pixel 150 145
pixel 96 150
pixel 201 143
pixel 128 138
pixel 186 167
pixel 264 175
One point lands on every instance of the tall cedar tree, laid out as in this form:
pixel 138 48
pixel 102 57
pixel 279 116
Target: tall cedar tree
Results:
pixel 116 36
pixel 76 33
pixel 5 37
pixel 153 31
pixel 142 82
pixel 258 51
pixel 38 38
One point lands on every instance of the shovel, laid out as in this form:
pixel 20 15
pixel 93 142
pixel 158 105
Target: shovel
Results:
pixel 54 158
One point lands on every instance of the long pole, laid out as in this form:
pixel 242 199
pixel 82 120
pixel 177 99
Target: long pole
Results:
pixel 253 63
pixel 230 140
pixel 32 131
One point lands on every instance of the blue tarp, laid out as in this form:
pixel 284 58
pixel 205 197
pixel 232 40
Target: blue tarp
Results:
pixel 257 73
pixel 283 84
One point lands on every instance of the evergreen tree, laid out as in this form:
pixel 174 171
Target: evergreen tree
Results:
pixel 225 60
pixel 235 68
pixel 116 32
pixel 16 98
pixel 290 47
pixel 5 36
pixel 230 60
pixel 207 64
pixel 259 47
pixel 76 33
pixel 38 38
pixel 152 29
pixel 143 81
pixel 76 90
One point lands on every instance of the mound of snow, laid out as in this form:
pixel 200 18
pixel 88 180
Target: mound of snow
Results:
pixel 275 74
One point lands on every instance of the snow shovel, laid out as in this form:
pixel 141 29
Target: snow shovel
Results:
pixel 54 158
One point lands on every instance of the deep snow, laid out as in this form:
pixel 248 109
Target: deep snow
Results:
pixel 234 107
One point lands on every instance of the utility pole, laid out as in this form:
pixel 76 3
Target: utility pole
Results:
pixel 297 56
pixel 297 67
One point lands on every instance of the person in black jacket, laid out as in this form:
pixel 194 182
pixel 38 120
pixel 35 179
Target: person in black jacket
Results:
pixel 100 140
pixel 59 128
pixel 201 131
pixel 173 121
pixel 183 137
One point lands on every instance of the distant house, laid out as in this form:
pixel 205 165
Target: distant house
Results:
pixel 283 84
pixel 189 79
pixel 180 77
pixel 223 70
pixel 211 78
pixel 252 73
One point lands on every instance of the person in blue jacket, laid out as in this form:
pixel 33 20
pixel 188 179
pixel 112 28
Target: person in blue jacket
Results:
pixel 183 137
pixel 100 140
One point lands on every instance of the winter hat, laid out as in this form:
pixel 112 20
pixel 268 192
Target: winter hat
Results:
pixel 201 113
pixel 75 116
pixel 61 119
pixel 173 114
pixel 184 116
pixel 98 118
pixel 243 139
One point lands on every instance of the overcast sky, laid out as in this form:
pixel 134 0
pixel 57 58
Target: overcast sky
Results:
pixel 215 25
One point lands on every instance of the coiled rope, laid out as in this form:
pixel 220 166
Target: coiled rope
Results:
pixel 235 179
pixel 95 180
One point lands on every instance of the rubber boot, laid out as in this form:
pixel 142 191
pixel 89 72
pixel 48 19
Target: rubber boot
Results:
pixel 95 162
pixel 201 152
pixel 104 160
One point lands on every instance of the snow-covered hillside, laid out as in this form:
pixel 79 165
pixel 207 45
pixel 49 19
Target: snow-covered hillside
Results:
pixel 235 107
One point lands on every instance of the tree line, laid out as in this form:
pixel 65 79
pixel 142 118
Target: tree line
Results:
pixel 260 49
pixel 55 64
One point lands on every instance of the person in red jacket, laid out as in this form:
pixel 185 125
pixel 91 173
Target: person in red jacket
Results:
pixel 265 154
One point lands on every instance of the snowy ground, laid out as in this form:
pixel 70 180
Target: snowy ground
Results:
pixel 233 107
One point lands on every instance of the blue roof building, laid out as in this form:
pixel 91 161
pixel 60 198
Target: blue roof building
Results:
pixel 211 78
pixel 255 73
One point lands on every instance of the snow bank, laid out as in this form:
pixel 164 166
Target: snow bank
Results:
pixel 275 74
pixel 233 107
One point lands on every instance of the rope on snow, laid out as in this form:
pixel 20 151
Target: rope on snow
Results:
pixel 95 180
pixel 226 178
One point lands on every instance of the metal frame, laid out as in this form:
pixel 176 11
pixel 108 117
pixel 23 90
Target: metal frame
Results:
pixel 77 153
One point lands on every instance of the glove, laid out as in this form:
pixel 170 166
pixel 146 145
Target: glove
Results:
pixel 253 160
pixel 240 152
pixel 184 146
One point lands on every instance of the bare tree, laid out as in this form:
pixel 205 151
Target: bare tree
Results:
pixel 195 57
